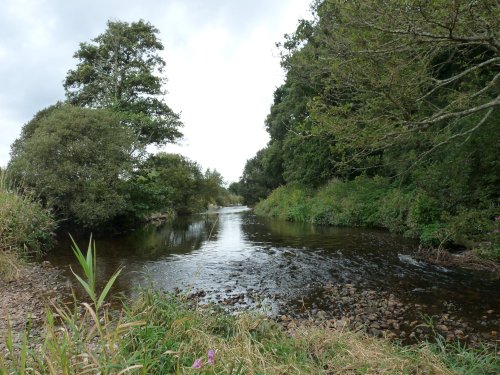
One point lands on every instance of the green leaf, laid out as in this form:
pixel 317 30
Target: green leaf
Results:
pixel 86 286
pixel 106 289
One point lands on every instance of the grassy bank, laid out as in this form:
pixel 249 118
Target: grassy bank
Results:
pixel 375 202
pixel 161 334
pixel 26 227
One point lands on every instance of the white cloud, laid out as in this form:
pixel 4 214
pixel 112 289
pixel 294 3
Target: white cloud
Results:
pixel 221 65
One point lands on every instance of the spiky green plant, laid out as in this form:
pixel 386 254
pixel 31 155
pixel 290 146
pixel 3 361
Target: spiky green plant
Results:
pixel 88 265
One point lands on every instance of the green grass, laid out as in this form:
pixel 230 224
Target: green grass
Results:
pixel 160 334
pixel 26 227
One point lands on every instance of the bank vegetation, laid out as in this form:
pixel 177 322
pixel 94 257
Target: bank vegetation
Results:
pixel 389 116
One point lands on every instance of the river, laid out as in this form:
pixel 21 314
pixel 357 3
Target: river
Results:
pixel 276 265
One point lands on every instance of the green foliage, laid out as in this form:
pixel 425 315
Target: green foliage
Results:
pixel 308 160
pixel 26 226
pixel 212 188
pixel 393 210
pixel 377 202
pixel 89 268
pixel 76 160
pixel 121 71
pixel 391 91
pixel 423 211
pixel 286 202
pixel 177 177
pixel 170 181
pixel 261 175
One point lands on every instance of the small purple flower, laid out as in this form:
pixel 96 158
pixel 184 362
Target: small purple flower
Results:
pixel 211 357
pixel 197 363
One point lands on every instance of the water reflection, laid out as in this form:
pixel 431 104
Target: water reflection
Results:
pixel 234 250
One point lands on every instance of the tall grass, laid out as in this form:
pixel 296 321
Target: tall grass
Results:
pixel 26 227
pixel 160 334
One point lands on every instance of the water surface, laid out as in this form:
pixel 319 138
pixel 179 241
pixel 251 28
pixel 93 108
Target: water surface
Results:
pixel 232 251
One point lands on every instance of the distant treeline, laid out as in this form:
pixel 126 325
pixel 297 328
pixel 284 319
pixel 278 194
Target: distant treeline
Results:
pixel 389 116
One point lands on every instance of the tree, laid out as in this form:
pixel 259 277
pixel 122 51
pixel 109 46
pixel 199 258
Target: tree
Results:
pixel 170 181
pixel 401 92
pixel 77 160
pixel 261 175
pixel 212 188
pixel 387 72
pixel 121 70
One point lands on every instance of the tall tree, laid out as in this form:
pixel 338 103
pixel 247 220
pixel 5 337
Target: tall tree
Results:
pixel 122 70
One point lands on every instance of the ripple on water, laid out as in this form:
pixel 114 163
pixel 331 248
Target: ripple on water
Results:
pixel 234 248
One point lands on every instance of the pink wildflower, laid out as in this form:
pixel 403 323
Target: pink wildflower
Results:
pixel 197 363
pixel 211 357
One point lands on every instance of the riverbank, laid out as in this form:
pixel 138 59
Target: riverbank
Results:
pixel 376 313
pixel 376 203
pixel 464 259
pixel 163 334
pixel 354 330
pixel 23 300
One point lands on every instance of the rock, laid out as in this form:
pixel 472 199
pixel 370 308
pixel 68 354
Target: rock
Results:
pixel 339 324
pixel 376 332
pixel 442 327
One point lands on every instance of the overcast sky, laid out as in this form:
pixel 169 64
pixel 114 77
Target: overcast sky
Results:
pixel 222 65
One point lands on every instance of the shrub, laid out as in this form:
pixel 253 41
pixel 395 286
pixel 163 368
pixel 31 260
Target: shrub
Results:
pixel 393 210
pixel 289 202
pixel 374 202
pixel 422 212
pixel 26 227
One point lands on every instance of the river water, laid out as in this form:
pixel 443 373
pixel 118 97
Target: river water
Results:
pixel 232 252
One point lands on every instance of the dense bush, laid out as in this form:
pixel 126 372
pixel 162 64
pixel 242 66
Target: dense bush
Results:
pixel 77 161
pixel 25 225
pixel 376 202
pixel 26 228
